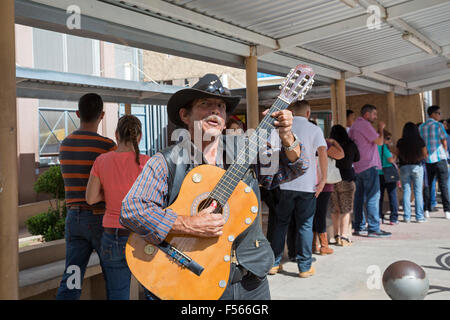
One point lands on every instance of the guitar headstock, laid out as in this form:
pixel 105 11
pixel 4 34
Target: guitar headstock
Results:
pixel 297 83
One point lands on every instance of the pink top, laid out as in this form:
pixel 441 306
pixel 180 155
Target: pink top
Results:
pixel 117 172
pixel 363 134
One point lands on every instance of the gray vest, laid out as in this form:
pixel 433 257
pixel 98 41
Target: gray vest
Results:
pixel 253 251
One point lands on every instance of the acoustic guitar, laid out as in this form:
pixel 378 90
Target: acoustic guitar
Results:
pixel 185 267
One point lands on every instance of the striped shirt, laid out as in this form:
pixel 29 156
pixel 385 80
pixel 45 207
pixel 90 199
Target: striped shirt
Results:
pixel 143 208
pixel 77 154
pixel 432 133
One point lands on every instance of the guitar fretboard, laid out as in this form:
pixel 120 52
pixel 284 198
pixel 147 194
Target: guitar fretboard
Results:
pixel 225 187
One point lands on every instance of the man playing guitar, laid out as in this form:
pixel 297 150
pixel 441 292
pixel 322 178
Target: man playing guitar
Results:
pixel 204 108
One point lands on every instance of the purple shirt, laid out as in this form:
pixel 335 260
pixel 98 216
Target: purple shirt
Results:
pixel 363 134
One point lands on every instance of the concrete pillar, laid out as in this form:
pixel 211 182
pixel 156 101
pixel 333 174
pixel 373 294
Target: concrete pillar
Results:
pixel 391 123
pixel 341 105
pixel 9 248
pixel 251 69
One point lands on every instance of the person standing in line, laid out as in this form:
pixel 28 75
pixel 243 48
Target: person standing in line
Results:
pixel 320 237
pixel 388 160
pixel 367 181
pixel 435 137
pixel 343 193
pixel 411 151
pixel 350 119
pixel 112 176
pixel 298 197
pixel 83 230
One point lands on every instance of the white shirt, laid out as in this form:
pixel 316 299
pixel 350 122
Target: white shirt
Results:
pixel 311 136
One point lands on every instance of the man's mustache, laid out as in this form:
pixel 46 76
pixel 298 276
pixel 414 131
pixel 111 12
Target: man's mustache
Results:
pixel 213 117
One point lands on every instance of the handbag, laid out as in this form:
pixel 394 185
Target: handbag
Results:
pixel 333 173
pixel 390 173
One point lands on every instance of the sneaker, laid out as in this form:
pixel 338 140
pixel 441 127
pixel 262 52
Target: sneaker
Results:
pixel 447 215
pixel 434 209
pixel 274 270
pixel 427 214
pixel 422 220
pixel 406 220
pixel 360 233
pixel 379 234
pixel 393 223
pixel 308 273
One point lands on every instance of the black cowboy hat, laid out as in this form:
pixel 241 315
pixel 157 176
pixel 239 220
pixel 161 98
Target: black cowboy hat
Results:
pixel 209 86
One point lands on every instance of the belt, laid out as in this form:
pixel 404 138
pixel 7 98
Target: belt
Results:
pixel 120 232
pixel 94 210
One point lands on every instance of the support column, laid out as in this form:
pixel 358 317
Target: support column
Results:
pixel 9 248
pixel 251 69
pixel 341 102
pixel 127 108
pixel 391 124
pixel 333 98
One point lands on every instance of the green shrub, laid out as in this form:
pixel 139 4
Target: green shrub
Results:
pixel 50 224
pixel 51 181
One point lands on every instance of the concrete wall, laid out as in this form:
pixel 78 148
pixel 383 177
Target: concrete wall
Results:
pixel 442 98
pixel 163 67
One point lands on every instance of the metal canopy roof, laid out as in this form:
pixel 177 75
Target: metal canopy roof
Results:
pixel 331 36
pixel 53 85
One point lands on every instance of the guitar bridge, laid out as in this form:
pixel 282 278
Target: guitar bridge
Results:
pixel 180 258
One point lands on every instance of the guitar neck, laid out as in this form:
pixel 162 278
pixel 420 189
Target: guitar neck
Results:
pixel 246 156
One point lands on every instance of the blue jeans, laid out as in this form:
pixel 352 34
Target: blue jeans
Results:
pixel 367 193
pixel 391 188
pixel 115 267
pixel 412 174
pixel 433 193
pixel 83 235
pixel 300 206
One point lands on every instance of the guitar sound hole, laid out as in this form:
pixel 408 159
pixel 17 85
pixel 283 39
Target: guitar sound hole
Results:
pixel 203 201
pixel 206 203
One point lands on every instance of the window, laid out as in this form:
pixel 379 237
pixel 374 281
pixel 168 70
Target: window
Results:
pixel 54 126
pixel 154 122
pixel 65 53
pixel 323 119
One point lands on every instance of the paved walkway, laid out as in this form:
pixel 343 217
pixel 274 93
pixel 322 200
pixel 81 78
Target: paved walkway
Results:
pixel 355 272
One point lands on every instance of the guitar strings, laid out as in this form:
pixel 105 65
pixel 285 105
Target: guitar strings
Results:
pixel 265 124
pixel 278 104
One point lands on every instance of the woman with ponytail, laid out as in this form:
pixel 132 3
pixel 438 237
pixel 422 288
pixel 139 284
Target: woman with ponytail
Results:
pixel 111 178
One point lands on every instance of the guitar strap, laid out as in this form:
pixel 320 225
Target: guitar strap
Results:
pixel 177 173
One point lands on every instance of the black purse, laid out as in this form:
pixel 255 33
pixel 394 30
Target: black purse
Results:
pixel 390 173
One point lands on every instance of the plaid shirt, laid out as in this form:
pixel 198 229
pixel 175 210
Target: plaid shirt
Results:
pixel 432 133
pixel 143 208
